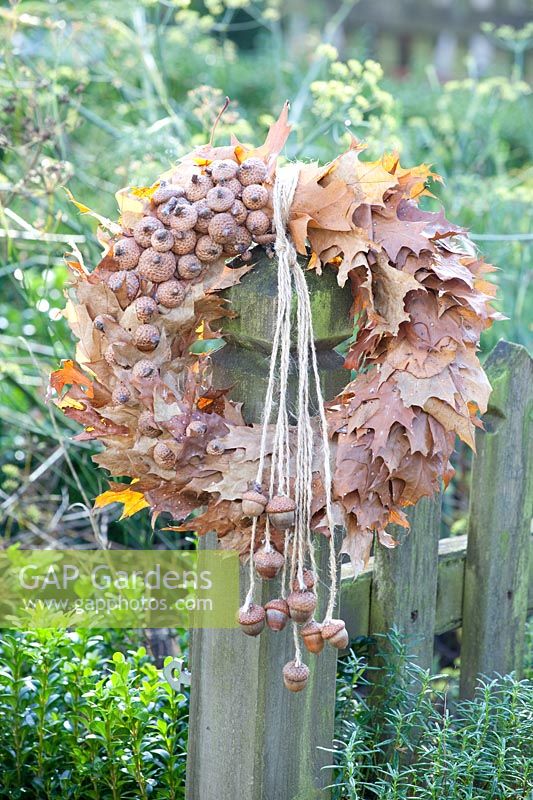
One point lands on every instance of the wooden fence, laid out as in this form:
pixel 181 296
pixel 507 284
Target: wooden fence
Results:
pixel 251 739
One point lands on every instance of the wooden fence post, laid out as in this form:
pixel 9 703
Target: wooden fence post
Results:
pixel 249 737
pixel 404 582
pixel 501 505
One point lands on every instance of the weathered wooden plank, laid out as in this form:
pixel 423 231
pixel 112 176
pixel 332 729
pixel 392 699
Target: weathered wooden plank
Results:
pixel 248 736
pixel 404 584
pixel 355 594
pixel 501 505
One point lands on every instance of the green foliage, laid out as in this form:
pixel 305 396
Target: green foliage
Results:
pixel 404 738
pixel 82 722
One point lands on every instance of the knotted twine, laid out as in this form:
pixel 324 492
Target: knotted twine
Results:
pixel 289 271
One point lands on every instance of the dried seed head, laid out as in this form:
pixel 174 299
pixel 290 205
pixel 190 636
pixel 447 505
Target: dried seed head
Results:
pixel 164 456
pixel 277 614
pixel 189 267
pixel 222 228
pixel 252 619
pixel 126 253
pixel 124 283
pixel 215 447
pixel 146 338
pixel 334 633
pixel 183 218
pixel 295 675
pixel 145 308
pixel 223 170
pixel 311 634
pixel 143 230
pixel 301 605
pixel 145 370
pixel 255 196
pixel 157 267
pixel 280 510
pixel 162 240
pixel 184 242
pixel 253 170
pixel 258 223
pixel 220 199
pixel 239 212
pixel 207 250
pixel 198 187
pixel 147 426
pixel 268 562
pixel 165 192
pixel 121 394
pixel 170 294
pixel 205 215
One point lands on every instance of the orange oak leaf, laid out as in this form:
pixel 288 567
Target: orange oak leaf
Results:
pixel 132 499
pixel 70 374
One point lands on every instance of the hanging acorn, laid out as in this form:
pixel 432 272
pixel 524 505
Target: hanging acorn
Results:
pixel 334 633
pixel 253 502
pixel 295 676
pixel 311 634
pixel 301 606
pixel 280 510
pixel 251 619
pixel 277 614
pixel 268 562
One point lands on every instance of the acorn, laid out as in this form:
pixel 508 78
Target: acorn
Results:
pixel 252 170
pixel 252 619
pixel 147 425
pixel 164 456
pixel 143 230
pixel 195 428
pixel 301 606
pixel 145 370
pixel 309 579
pixel 170 293
pixel 277 614
pixel 280 510
pixel 165 192
pixel 121 394
pixel 295 676
pixel 184 242
pixel 268 562
pixel 234 185
pixel 311 634
pixel 220 199
pixel 215 447
pixel 189 267
pixel 145 308
pixel 198 187
pixel 124 281
pixel 253 502
pixel 126 253
pixel 222 228
pixel 334 633
pixel 166 210
pixel 255 196
pixel 146 338
pixel 162 240
pixel 183 218
pixel 223 169
pixel 207 250
pixel 239 212
pixel 258 223
pixel 157 267
pixel 204 214
pixel 240 242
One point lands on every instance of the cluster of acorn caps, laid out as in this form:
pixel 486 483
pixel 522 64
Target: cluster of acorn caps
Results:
pixel 299 605
pixel 220 212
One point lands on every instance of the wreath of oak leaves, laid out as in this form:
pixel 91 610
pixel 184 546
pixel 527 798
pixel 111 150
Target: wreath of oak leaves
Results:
pixel 420 302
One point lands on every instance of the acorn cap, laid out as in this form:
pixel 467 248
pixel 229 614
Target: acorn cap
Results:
pixel 309 579
pixel 255 497
pixel 277 604
pixel 280 502
pixel 254 613
pixel 295 676
pixel 268 562
pixel 302 601
pixel 331 627
pixel 310 628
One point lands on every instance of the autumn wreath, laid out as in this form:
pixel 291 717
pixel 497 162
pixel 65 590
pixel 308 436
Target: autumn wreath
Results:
pixel 144 316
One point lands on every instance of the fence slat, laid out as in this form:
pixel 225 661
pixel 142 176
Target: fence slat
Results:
pixel 248 736
pixel 404 585
pixel 501 503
